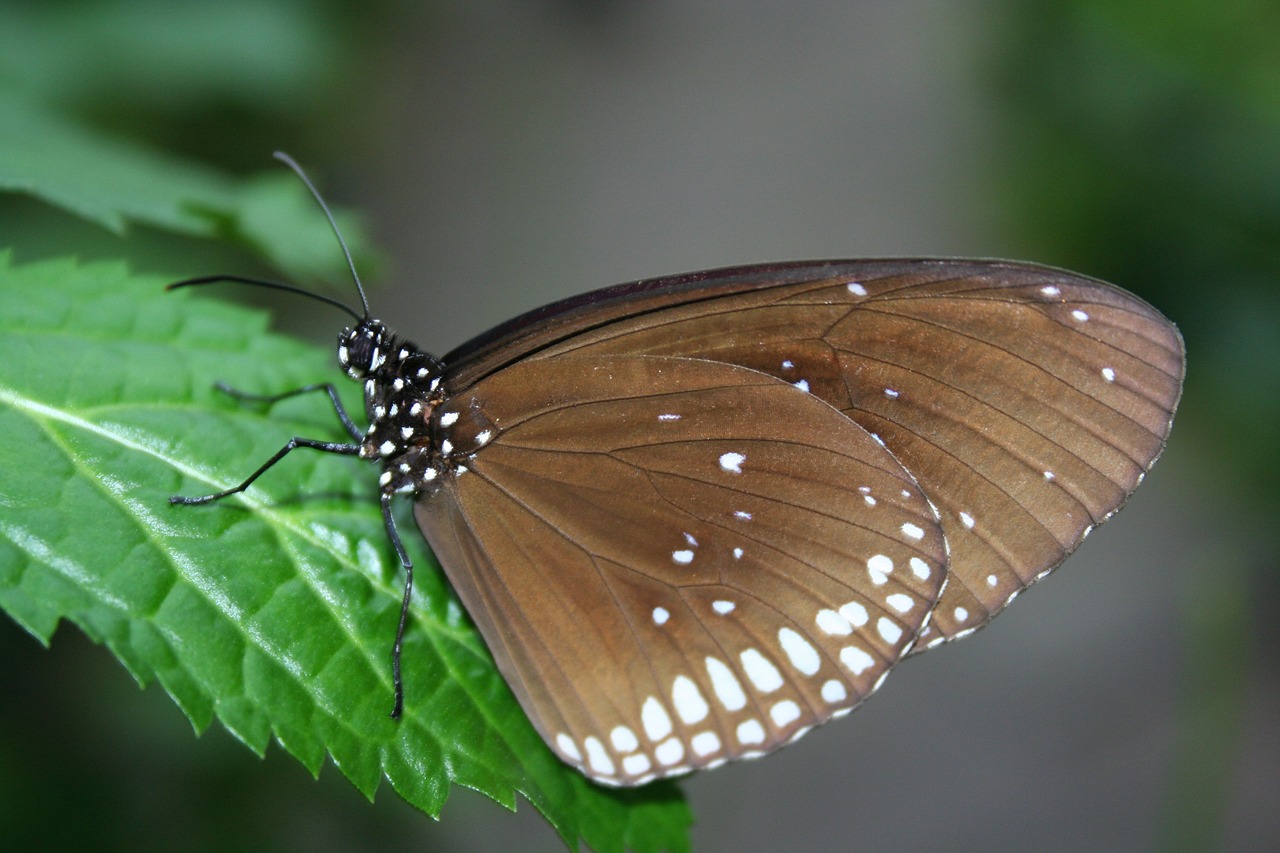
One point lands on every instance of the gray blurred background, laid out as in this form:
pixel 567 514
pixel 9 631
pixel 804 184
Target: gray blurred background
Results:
pixel 510 153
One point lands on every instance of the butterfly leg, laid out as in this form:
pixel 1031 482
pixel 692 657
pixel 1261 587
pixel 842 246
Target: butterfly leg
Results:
pixel 293 443
pixel 394 535
pixel 270 399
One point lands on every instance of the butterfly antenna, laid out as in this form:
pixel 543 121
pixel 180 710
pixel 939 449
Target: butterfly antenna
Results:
pixel 297 170
pixel 273 285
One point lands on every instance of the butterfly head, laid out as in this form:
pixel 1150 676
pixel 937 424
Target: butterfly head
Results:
pixel 363 348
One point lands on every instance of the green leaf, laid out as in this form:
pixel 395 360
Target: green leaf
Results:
pixel 273 611
pixel 113 183
pixel 272 56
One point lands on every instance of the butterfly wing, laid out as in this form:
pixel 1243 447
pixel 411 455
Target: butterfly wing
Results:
pixel 1027 402
pixel 677 562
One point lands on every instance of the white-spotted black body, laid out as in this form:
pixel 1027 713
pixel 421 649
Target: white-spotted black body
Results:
pixel 415 433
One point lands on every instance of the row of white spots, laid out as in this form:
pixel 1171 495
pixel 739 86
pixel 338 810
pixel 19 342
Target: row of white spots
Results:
pixel 691 706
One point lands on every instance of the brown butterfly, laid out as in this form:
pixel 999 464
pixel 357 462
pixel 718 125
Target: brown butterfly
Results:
pixel 695 516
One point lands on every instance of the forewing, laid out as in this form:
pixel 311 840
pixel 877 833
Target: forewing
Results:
pixel 678 562
pixel 1027 402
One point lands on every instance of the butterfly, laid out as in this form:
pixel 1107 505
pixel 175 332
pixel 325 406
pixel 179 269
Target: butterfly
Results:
pixel 695 516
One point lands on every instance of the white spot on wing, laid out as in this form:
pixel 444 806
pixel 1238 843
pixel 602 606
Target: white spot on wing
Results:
pixel 833 691
pixel 657 724
pixel 684 558
pixel 750 732
pixel 900 602
pixel 913 530
pixel 722 607
pixel 856 289
pixel 856 659
pixel 742 514
pixel 728 689
pixel 448 419
pixel 889 630
pixel 803 656
pixel 668 417
pixel 920 568
pixel 705 743
pixel 803 385
pixel 763 674
pixel 669 751
pixel 568 747
pixel 833 623
pixel 597 757
pixel 636 764
pixel 855 613
pixel 1080 315
pixel 1108 374
pixel 660 615
pixel 785 712
pixel 687 700
pixel 732 462
pixel 966 520
pixel 624 740
pixel 878 567
pixel 961 614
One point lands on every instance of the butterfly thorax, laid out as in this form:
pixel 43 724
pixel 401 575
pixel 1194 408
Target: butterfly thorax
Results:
pixel 415 433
